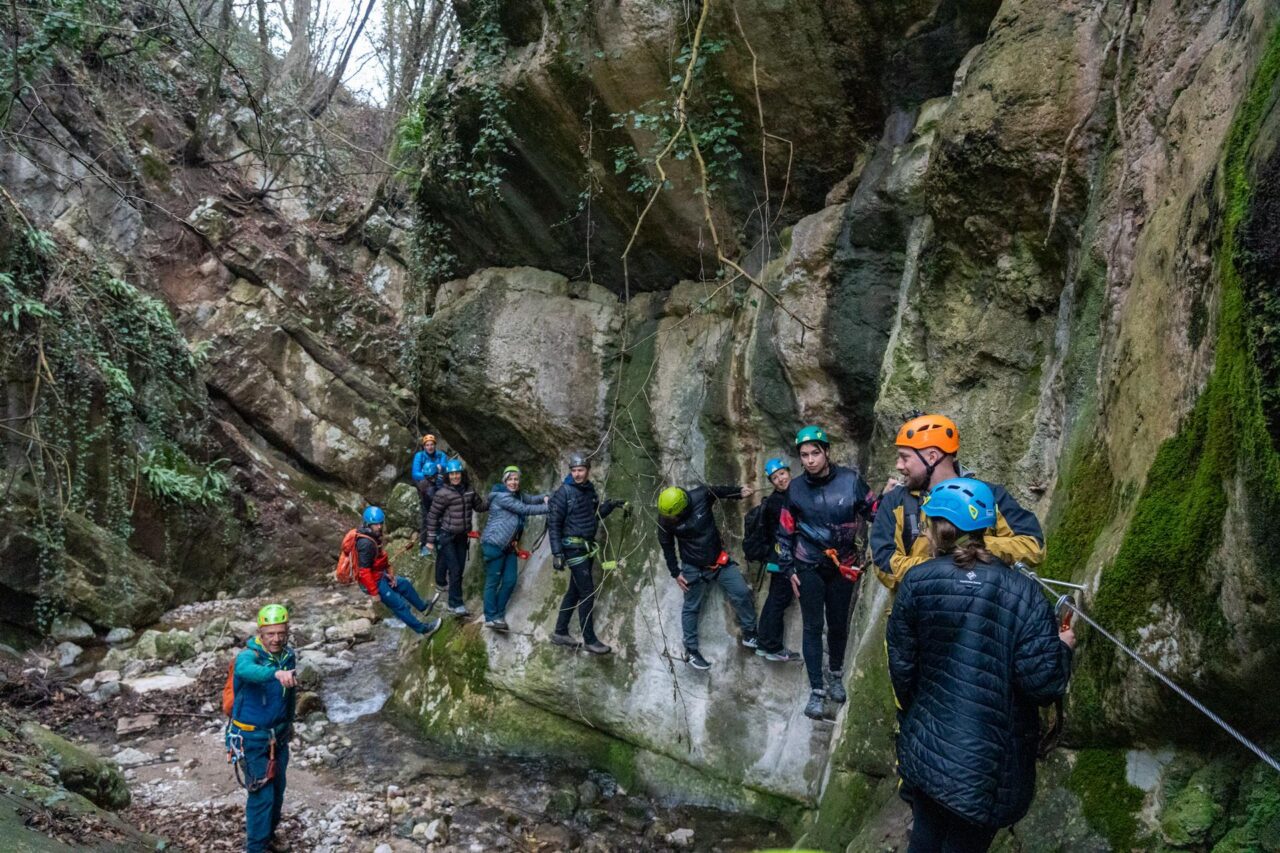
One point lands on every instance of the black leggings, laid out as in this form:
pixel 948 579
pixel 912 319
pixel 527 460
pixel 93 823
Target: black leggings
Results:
pixel 824 592
pixel 937 829
pixel 581 594
pixel 769 627
pixel 450 561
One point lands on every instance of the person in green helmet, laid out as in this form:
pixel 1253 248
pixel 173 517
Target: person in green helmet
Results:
pixel 685 519
pixel 265 693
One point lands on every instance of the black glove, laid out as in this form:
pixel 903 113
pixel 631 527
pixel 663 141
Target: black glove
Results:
pixel 557 562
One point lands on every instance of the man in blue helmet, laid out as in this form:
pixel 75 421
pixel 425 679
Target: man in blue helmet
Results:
pixel 821 545
pixel 781 592
pixel 428 475
pixel 376 575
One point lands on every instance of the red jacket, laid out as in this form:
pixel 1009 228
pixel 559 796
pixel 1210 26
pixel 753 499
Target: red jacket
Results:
pixel 371 560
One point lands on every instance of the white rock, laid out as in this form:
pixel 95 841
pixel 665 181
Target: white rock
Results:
pixel 110 690
pixel 67 653
pixel 103 676
pixel 70 628
pixel 383 848
pixel 680 838
pixel 119 635
pixel 130 757
pixel 158 683
pixel 435 831
pixel 86 686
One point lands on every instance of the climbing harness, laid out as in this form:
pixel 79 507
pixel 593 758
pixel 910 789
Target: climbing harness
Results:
pixel 590 548
pixel 1065 602
pixel 235 757
pixel 850 570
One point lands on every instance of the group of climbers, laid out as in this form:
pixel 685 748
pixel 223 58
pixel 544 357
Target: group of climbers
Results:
pixel 973 646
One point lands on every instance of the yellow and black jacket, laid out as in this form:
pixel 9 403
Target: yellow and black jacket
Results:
pixel 898 541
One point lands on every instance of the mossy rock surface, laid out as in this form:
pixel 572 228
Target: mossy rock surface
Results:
pixel 97 779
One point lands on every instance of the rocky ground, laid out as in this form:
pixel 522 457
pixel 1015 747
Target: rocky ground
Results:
pixel 142 712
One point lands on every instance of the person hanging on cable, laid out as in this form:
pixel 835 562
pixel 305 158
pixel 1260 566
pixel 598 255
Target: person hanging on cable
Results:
pixel 685 519
pixel 781 592
pixel 574 517
pixel 263 687
pixel 427 475
pixel 928 453
pixel 500 543
pixel 974 651
pixel 821 544
pixel 450 528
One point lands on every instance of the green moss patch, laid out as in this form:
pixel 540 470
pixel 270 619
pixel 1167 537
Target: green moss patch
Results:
pixel 1109 803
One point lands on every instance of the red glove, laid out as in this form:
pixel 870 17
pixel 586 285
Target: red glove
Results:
pixel 473 534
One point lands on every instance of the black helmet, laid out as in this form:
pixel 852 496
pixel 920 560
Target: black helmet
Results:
pixel 578 459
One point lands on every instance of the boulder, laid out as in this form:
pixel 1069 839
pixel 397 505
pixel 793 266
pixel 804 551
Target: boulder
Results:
pixel 130 757
pixel 100 781
pixel 119 635
pixel 67 653
pixel 402 507
pixel 353 629
pixel 133 725
pixel 173 646
pixel 110 690
pixel 69 628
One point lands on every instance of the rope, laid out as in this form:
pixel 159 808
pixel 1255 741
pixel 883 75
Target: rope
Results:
pixel 1066 600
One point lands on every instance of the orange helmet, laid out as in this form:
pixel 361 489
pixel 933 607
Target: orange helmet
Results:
pixel 930 431
pixel 428 437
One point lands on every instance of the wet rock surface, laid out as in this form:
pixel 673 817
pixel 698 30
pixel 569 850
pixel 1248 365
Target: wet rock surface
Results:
pixel 357 782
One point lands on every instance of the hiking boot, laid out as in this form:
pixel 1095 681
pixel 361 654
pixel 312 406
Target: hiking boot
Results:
pixel 431 627
pixel 598 648
pixel 781 656
pixel 564 640
pixel 278 845
pixel 835 686
pixel 751 641
pixel 695 659
pixel 815 707
pixel 460 611
pixel 441 590
pixel 497 625
pixel 423 552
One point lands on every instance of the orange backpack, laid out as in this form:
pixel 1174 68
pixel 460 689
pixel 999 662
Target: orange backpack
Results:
pixel 229 688
pixel 345 572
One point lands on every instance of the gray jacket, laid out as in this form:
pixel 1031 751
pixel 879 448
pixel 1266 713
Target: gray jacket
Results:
pixel 507 513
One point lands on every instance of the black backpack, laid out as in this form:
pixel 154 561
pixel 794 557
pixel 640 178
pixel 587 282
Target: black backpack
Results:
pixel 755 540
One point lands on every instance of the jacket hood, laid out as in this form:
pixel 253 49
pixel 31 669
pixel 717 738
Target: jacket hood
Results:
pixel 568 481
pixel 501 489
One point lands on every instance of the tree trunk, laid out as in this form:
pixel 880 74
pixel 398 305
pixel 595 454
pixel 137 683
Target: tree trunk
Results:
pixel 321 102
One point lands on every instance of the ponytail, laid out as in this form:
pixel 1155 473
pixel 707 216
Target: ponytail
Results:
pixel 966 548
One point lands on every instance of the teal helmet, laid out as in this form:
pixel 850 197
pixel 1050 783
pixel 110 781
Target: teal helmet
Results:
pixel 814 434
pixel 374 515
pixel 453 466
pixel 773 466
pixel 967 503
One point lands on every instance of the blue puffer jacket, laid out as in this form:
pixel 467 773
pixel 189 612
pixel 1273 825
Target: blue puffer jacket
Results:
pixel 429 465
pixel 261 701
pixel 972 654
pixel 507 512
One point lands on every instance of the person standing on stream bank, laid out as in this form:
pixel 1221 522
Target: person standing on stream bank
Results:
pixel 500 543
pixel 261 724
pixel 427 475
pixel 821 540
pixel 449 528
pixel 572 523
pixel 685 518
pixel 379 579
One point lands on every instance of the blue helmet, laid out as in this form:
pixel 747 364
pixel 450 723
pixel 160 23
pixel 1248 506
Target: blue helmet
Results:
pixel 374 515
pixel 773 466
pixel 967 503
pixel 453 465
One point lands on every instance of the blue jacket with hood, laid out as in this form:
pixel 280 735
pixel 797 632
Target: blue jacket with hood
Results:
pixel 262 701
pixel 507 513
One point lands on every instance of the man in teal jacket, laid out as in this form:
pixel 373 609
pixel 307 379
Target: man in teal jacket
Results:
pixel 261 722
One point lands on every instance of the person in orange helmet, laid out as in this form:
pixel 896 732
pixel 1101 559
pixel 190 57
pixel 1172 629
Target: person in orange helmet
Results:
pixel 928 453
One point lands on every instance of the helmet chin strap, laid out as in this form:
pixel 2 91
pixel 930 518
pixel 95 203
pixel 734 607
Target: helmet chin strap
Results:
pixel 929 469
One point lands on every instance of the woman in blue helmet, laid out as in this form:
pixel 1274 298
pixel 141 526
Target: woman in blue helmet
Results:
pixel 449 527
pixel 974 650
pixel 781 593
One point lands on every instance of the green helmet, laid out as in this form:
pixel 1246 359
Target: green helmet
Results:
pixel 273 614
pixel 672 501
pixel 510 469
pixel 815 434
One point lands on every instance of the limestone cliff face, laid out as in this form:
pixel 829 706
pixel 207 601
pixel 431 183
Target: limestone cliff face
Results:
pixel 1064 246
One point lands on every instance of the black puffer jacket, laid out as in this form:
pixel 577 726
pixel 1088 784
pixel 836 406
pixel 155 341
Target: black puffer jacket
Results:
pixel 972 654
pixel 823 513
pixel 575 510
pixel 451 510
pixel 695 529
